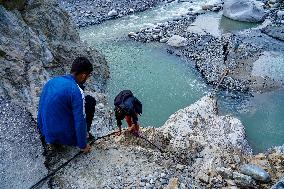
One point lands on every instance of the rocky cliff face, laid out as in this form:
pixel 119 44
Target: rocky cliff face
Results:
pixel 38 43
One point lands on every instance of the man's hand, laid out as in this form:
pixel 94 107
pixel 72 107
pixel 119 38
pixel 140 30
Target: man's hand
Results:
pixel 87 149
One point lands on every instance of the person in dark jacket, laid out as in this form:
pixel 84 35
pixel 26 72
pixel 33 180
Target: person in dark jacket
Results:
pixel 61 114
pixel 127 107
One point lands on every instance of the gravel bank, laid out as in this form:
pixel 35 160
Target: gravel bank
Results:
pixel 213 55
pixel 90 12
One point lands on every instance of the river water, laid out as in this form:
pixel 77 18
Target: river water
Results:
pixel 165 83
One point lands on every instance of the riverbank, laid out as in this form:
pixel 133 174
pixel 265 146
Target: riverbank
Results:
pixel 216 53
pixel 91 12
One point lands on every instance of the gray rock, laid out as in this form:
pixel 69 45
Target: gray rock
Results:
pixel 155 30
pixel 243 10
pixel 225 172
pixel 255 172
pixel 176 41
pixel 132 35
pixel 279 184
pixel 207 7
pixel 164 40
pixel 280 14
pixel 275 31
pixel 21 159
pixel 243 180
pixel 142 184
pixel 112 13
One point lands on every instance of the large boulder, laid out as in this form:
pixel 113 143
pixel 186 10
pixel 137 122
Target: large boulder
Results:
pixel 198 131
pixel 243 10
pixel 24 55
pixel 176 41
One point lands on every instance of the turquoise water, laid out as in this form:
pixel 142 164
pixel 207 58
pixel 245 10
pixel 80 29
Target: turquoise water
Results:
pixel 216 24
pixel 264 120
pixel 165 83
pixel 262 116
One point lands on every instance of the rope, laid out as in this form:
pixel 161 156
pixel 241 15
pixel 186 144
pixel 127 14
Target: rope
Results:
pixel 225 58
pixel 144 138
pixel 157 147
pixel 36 185
pixel 221 80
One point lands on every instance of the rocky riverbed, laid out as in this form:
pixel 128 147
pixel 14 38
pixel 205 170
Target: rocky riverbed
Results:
pixel 231 53
pixel 90 12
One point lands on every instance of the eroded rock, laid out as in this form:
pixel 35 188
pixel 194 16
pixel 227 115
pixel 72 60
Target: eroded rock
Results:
pixel 243 10
pixel 37 44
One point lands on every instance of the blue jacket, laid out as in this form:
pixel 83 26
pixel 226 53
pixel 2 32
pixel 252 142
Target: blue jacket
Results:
pixel 61 115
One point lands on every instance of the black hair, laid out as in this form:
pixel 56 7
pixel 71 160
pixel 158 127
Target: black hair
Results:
pixel 81 65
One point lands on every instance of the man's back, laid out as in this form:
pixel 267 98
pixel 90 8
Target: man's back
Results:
pixel 61 112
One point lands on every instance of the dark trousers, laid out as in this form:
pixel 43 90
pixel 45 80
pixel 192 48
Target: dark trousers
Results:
pixel 90 103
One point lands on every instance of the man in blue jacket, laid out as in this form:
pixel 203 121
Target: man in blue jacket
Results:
pixel 61 115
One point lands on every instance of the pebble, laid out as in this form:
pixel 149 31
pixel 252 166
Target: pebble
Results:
pixel 142 184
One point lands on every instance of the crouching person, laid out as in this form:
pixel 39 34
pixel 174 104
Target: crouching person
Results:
pixel 61 115
pixel 127 107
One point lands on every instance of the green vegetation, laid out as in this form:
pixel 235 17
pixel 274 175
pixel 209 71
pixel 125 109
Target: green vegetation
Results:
pixel 13 4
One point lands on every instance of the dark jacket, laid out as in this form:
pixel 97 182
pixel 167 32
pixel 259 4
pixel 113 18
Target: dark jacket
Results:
pixel 126 110
pixel 61 116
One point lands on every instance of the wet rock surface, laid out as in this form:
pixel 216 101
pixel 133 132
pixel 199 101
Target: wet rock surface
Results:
pixel 276 27
pixel 90 12
pixel 275 31
pixel 279 184
pixel 244 10
pixel 21 152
